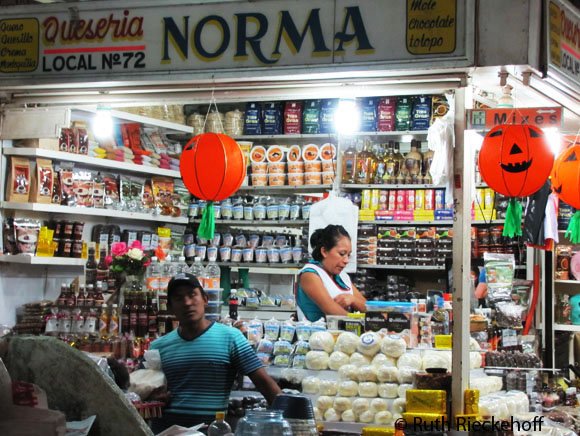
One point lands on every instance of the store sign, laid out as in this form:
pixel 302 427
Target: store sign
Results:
pixel 233 36
pixel 564 40
pixel 484 119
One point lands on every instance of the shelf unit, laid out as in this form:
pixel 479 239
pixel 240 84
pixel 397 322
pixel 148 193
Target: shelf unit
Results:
pixel 393 134
pixel 568 282
pixel 89 161
pixel 409 222
pixel 255 222
pixel 403 267
pixel 41 260
pixel 567 328
pixel 109 213
pixel 390 186
pixel 261 190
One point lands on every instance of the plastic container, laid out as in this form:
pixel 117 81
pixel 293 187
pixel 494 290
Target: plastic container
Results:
pixel 328 177
pixel 214 295
pixel 261 255
pixel 314 166
pixel 236 254
pixel 276 179
pixel 329 165
pixel 225 254
pixel 276 167
pixel 248 254
pixel 295 167
pixel 273 255
pixel 213 308
pixel 259 168
pixel 263 422
pixel 259 179
pixel 296 179
pixel 312 178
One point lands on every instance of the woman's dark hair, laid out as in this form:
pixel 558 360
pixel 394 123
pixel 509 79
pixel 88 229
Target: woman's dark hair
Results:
pixel 327 237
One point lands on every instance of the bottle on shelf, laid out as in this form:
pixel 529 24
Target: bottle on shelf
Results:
pixel 366 162
pixel 152 314
pixel 162 315
pixel 91 268
pixel 126 314
pixel 167 272
pixel 62 298
pixel 349 159
pixel 413 161
pixel 90 297
pixel 197 268
pixel 114 321
pixel 212 276
pixel 134 313
pixel 81 297
pixel 99 298
pixel 180 266
pixel 400 169
pixel 426 166
pixel 104 322
pixel 219 427
pixel 234 302
pixel 506 99
pixel 102 268
pixel 381 166
pixel 153 275
pixel 390 164
pixel 142 316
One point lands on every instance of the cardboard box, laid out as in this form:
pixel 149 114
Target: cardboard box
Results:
pixel 44 143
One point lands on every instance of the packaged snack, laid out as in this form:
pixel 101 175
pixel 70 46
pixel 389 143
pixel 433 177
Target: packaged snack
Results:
pixel 99 192
pixel 19 180
pixel 292 117
pixel 287 331
pixel 83 187
pixel 26 235
pixel 311 117
pixel 386 114
pixel 282 360
pixel 303 330
pixel 403 114
pixel 112 196
pixel 265 346
pixel 282 347
pixel 253 119
pixel 272 119
pixel 299 361
pixel 163 194
pixel 255 331
pixel 42 186
pixel 421 114
pixel 327 111
pixel 67 195
pixel 272 329
pixel 508 315
pixel 65 139
pixel 136 189
pixel 301 347
pixel 81 140
pixel 369 114
pixel 181 198
pixel 148 197
pixel 56 191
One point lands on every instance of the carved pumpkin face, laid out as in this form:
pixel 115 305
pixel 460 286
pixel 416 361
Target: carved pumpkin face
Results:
pixel 566 176
pixel 515 160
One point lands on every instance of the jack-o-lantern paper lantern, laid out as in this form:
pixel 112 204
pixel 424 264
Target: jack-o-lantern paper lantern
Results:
pixel 212 167
pixel 515 159
pixel 566 184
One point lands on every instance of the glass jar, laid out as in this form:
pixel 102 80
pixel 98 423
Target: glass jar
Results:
pixel 263 422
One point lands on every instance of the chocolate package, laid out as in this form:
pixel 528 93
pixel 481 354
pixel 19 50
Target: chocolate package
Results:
pixel 83 188
pixel 311 117
pixel 148 198
pixel 292 118
pixel 403 114
pixel 163 194
pixel 19 180
pixel 99 192
pixel 112 196
pixel 43 181
pixel 181 197
pixel 81 140
pixel 26 235
pixel 253 119
pixel 369 114
pixel 327 113
pixel 421 113
pixel 8 236
pixel 386 114
pixel 65 139
pixel 67 195
pixel 272 119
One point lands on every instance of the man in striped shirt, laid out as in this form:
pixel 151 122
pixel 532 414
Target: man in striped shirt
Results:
pixel 201 358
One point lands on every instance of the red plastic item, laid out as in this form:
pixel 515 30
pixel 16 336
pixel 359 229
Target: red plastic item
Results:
pixel 212 166
pixel 515 159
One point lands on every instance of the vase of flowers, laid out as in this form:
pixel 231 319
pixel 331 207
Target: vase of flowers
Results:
pixel 128 264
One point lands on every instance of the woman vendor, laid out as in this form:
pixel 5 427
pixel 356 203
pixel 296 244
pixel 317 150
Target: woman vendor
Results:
pixel 324 288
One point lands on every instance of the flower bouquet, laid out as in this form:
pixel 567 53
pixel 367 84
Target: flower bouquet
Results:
pixel 128 260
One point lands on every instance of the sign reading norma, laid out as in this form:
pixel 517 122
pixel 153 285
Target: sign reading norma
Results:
pixel 175 38
pixel 564 40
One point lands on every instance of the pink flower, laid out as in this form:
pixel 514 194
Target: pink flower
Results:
pixel 137 244
pixel 119 249
pixel 109 260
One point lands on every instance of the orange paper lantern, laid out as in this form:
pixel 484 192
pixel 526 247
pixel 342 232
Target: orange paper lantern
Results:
pixel 212 166
pixel 566 176
pixel 515 159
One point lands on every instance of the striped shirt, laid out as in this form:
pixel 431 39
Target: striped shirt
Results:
pixel 200 372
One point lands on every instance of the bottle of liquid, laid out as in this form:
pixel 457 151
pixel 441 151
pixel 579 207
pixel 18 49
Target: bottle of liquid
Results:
pixel 126 314
pixel 365 164
pixel 413 161
pixel 99 298
pixel 390 164
pixel 167 272
pixel 506 99
pixel 104 322
pixel 212 276
pixel 102 268
pixel 162 315
pixel 180 266
pixel 349 164
pixel 114 322
pixel 152 275
pixel 427 161
pixel 62 298
pixel 400 170
pixel 134 313
pixel 219 427
pixel 91 268
pixel 90 297
pixel 151 315
pixel 142 316
pixel 234 302
pixel 197 268
pixel 81 297
pixel 381 166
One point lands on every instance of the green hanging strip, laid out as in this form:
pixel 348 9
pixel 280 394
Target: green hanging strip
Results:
pixel 513 219
pixel 573 230
pixel 206 228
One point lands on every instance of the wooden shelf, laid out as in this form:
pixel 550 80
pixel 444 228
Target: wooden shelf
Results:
pixel 89 161
pixel 91 211
pixel 40 260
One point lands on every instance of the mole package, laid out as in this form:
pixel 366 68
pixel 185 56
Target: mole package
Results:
pixel 395 317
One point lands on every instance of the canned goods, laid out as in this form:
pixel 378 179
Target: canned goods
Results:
pixel 419 199
pixel 429 199
pixel 439 199
pixel 366 199
pixel 392 202
pixel 410 202
pixel 375 199
pixel 383 200
pixel 401 200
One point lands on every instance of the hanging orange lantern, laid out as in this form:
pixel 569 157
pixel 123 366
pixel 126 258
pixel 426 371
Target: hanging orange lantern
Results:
pixel 212 166
pixel 566 184
pixel 515 159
